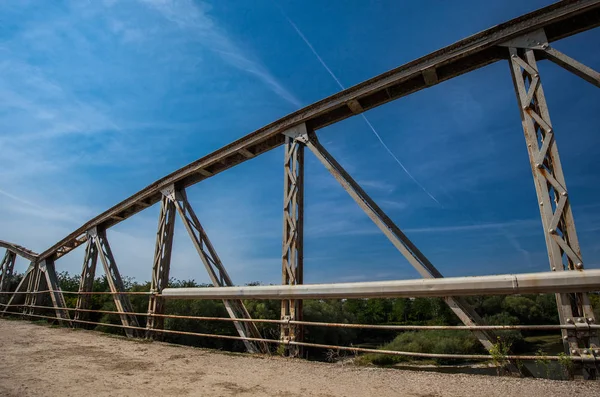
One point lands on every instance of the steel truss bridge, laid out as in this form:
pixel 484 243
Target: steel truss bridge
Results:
pixel 520 43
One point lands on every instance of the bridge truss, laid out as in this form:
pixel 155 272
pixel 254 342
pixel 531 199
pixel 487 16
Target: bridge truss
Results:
pixel 521 43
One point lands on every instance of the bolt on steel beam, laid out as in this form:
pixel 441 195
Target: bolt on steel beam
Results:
pixel 215 268
pixel 7 267
pixel 162 263
pixel 292 256
pixel 558 223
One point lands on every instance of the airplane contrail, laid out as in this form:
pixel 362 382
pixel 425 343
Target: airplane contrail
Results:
pixel 20 200
pixel 363 116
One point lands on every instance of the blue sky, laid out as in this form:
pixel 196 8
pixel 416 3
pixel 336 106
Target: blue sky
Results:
pixel 100 98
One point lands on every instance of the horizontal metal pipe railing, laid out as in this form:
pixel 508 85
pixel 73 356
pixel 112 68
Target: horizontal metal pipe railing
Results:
pixel 543 282
pixel 174 316
pixel 107 293
pixel 78 293
pixel 548 327
pixel 482 285
pixel 317 345
pixel 167 331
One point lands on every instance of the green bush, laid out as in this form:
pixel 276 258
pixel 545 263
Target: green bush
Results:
pixel 511 338
pixel 434 341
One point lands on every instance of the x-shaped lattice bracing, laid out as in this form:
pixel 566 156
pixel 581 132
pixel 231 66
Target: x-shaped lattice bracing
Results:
pixel 162 261
pixel 215 268
pixel 292 247
pixel 553 199
pixel 7 267
pixel 406 247
pixel 98 246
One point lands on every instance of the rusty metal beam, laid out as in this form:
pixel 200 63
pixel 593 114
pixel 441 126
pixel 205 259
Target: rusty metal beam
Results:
pixel 34 285
pixel 292 256
pixel 553 199
pixel 559 20
pixel 86 282
pixel 47 268
pixel 162 263
pixel 573 66
pixel 19 250
pixel 215 268
pixel 115 282
pixel 18 296
pixel 6 268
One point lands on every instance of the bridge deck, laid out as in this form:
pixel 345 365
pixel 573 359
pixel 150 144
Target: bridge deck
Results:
pixel 39 360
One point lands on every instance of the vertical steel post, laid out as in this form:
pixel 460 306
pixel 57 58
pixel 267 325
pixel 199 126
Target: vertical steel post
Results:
pixel 218 275
pixel 292 257
pixel 86 282
pixel 7 267
pixel 557 218
pixel 17 296
pixel 162 262
pixel 122 302
pixel 47 268
pixel 33 289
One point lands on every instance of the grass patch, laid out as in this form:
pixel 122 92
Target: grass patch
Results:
pixel 551 344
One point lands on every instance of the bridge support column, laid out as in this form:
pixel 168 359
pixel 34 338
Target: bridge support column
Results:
pixel 7 267
pixel 33 287
pixel 18 295
pixel 293 220
pixel 47 268
pixel 162 263
pixel 557 218
pixel 216 270
pixel 97 237
pixel 457 304
pixel 86 282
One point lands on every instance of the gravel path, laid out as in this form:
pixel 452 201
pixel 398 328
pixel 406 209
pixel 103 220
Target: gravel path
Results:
pixel 44 361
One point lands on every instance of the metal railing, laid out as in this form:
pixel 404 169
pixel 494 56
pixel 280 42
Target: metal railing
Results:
pixel 353 349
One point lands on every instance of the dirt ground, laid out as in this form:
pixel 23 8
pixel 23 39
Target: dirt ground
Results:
pixel 42 361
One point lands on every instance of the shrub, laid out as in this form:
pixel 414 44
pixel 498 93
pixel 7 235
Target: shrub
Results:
pixel 434 341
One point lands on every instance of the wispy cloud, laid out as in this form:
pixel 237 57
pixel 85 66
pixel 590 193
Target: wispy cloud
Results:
pixel 72 214
pixel 514 242
pixel 364 117
pixel 86 122
pixel 377 184
pixel 20 200
pixel 194 16
pixel 474 227
pixel 43 108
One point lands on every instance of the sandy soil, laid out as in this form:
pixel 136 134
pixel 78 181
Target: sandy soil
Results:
pixel 43 361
